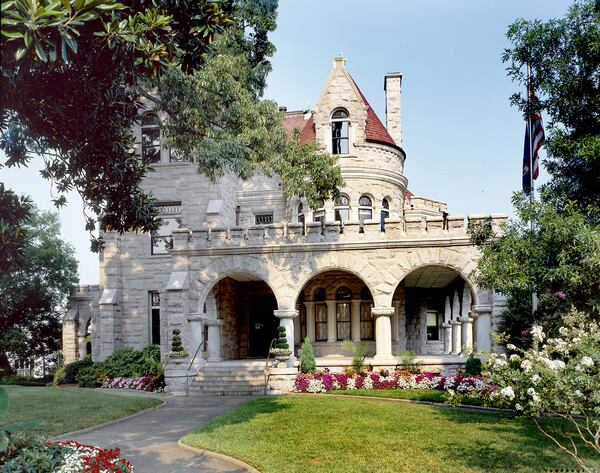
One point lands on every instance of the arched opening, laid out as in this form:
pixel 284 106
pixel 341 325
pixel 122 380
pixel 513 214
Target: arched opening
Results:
pixel 425 299
pixel 240 315
pixel 336 306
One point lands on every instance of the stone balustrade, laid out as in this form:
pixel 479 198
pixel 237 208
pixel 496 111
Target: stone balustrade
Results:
pixel 452 226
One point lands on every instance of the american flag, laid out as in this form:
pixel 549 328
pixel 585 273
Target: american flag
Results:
pixel 537 132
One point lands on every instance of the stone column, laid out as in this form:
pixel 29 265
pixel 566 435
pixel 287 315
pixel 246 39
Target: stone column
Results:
pixel 214 340
pixel 456 336
pixel 447 328
pixel 286 319
pixel 467 323
pixel 82 347
pixel 331 338
pixel 310 320
pixel 69 337
pixel 483 326
pixel 355 317
pixel 383 335
pixel 196 323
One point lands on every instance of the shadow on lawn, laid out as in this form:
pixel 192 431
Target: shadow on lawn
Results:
pixel 534 449
pixel 260 406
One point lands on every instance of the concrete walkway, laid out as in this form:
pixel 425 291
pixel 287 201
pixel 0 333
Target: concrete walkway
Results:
pixel 149 441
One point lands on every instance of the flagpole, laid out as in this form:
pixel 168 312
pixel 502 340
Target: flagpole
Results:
pixel 534 300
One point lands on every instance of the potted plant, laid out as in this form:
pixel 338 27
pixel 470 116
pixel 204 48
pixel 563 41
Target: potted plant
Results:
pixel 282 350
pixel 177 349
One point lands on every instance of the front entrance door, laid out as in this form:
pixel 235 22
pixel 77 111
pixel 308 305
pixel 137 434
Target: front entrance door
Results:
pixel 263 324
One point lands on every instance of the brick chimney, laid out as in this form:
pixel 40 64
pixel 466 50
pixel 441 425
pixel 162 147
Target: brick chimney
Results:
pixel 393 116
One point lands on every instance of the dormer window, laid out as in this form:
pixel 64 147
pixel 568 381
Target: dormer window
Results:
pixel 150 138
pixel 339 132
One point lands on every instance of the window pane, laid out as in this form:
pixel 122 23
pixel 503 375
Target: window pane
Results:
pixel 366 322
pixel 433 331
pixel 151 145
pixel 319 294
pixel 342 215
pixel 342 200
pixel 365 201
pixel 263 219
pixel 365 214
pixel 155 326
pixel 343 325
pixel 320 322
pixel 343 293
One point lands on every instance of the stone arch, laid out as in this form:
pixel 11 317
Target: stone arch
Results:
pixel 222 268
pixel 455 260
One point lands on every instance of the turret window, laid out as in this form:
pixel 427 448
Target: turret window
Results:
pixel 342 208
pixel 365 209
pixel 150 138
pixel 300 213
pixel 319 213
pixel 340 132
pixel 385 213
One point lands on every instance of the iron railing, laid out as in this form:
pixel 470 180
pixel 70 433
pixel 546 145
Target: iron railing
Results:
pixel 267 365
pixel 187 372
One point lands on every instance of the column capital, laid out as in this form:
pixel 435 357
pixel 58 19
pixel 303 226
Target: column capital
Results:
pixel 285 313
pixel 454 322
pixel 382 311
pixel 465 319
pixel 446 325
pixel 482 308
pixel 214 323
pixel 195 316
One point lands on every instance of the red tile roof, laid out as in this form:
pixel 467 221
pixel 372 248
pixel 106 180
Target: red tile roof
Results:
pixel 375 130
pixel 295 120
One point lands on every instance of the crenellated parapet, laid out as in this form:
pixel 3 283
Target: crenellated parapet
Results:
pixel 453 227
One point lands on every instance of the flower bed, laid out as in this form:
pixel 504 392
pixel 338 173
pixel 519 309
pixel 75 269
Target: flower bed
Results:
pixel 455 385
pixel 87 458
pixel 144 383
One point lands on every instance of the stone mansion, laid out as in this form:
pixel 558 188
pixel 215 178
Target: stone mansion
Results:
pixel 235 259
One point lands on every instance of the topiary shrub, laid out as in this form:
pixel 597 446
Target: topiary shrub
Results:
pixel 281 339
pixel 473 365
pixel 177 349
pixel 307 358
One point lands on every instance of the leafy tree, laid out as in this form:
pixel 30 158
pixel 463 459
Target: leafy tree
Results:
pixel 14 212
pixel 558 260
pixel 33 296
pixel 564 55
pixel 119 53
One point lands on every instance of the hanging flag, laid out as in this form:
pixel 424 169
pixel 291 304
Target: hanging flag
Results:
pixel 533 145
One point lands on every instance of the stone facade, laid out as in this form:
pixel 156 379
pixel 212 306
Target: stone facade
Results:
pixel 242 257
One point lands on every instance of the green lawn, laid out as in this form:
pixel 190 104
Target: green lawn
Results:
pixel 319 434
pixel 63 410
pixel 431 395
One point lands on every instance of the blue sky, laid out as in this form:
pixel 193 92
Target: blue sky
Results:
pixel 463 140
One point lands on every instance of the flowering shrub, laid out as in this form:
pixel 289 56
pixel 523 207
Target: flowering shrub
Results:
pixel 87 458
pixel 143 383
pixel 562 378
pixel 456 386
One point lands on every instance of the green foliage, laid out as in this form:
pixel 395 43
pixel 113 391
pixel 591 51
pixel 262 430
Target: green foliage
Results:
pixel 307 358
pixel 29 453
pixel 473 365
pixel 22 380
pixel 68 373
pixel 564 55
pixel 409 362
pixel 11 436
pixel 558 260
pixel 14 213
pixel 33 296
pixel 358 352
pixel 176 345
pixel 281 342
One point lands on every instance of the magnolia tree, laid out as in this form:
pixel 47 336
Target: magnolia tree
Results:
pixel 560 378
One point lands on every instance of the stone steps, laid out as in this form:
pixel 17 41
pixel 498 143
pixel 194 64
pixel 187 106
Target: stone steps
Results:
pixel 229 381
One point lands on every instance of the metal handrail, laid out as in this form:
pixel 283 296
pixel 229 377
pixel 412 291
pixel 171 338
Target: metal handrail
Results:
pixel 267 364
pixel 187 373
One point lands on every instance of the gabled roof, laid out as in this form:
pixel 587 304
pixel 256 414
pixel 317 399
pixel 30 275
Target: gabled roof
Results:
pixel 375 130
pixel 296 121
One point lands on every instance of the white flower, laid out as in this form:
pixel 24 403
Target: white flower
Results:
pixel 578 393
pixel 511 347
pixel 531 391
pixel 507 392
pixel 518 407
pixel 576 340
pixel 500 362
pixel 450 392
pixel 526 366
pixel 535 378
pixel 515 357
pixel 535 398
pixel 563 331
pixel 538 333
pixel 587 361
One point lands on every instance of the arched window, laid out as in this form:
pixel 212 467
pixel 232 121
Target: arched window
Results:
pixel 300 213
pixel 365 209
pixel 343 319
pixel 302 316
pixel 367 323
pixel 319 212
pixel 385 212
pixel 342 208
pixel 150 138
pixel 339 132
pixel 320 315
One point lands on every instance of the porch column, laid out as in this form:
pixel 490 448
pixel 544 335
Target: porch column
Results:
pixel 383 335
pixel 310 320
pixel 214 340
pixel 286 319
pixel 196 322
pixel 330 321
pixel 467 323
pixel 482 315
pixel 447 328
pixel 355 317
pixel 456 336
pixel 82 347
